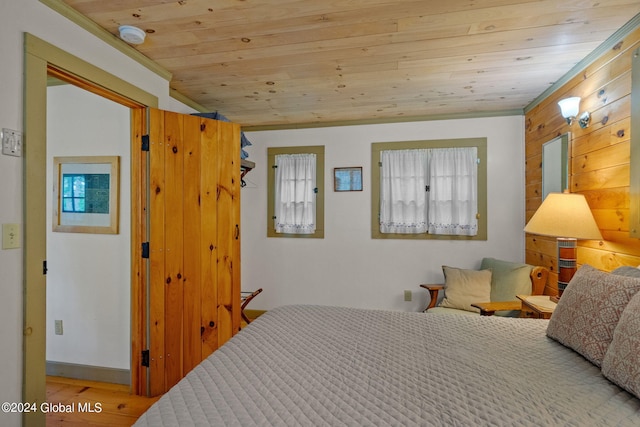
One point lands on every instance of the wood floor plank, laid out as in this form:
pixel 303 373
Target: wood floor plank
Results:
pixel 90 403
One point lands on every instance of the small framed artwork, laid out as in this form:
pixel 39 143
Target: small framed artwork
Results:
pixel 85 194
pixel 347 179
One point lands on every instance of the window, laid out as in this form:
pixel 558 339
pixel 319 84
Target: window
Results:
pixel 296 192
pixel 429 190
pixel 85 193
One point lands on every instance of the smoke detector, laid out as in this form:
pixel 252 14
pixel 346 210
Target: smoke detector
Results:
pixel 131 34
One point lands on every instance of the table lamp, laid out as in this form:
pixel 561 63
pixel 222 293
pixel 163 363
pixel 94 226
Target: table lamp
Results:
pixel 567 217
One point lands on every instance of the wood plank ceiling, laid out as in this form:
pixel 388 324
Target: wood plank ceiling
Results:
pixel 292 62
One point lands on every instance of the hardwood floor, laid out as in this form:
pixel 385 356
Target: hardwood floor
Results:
pixel 90 403
pixel 72 402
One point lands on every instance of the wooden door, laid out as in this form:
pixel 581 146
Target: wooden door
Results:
pixel 193 199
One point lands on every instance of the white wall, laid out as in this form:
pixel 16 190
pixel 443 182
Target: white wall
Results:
pixel 89 276
pixel 347 267
pixel 18 17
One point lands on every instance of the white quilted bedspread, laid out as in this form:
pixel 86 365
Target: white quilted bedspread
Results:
pixel 331 366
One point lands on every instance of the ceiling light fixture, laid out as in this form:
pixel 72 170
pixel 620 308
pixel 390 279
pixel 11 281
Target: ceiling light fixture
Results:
pixel 570 107
pixel 131 34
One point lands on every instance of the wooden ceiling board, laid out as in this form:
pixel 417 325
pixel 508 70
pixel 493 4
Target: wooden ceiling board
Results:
pixel 296 62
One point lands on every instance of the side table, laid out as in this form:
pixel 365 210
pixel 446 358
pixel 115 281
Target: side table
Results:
pixel 536 306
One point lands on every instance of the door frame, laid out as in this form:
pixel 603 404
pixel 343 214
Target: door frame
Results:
pixel 40 58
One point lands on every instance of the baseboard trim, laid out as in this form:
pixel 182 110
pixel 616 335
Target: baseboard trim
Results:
pixel 89 373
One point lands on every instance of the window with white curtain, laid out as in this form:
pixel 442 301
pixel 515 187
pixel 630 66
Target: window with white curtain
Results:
pixel 430 189
pixel 453 191
pixel 295 193
pixel 403 196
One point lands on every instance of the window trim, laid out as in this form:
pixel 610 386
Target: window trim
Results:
pixel 377 147
pixel 272 152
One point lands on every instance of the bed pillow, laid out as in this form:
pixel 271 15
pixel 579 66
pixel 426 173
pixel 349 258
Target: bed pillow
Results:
pixel 627 271
pixel 589 310
pixel 464 287
pixel 621 364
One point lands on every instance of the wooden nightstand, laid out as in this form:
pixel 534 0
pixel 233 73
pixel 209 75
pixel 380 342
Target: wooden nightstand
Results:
pixel 536 306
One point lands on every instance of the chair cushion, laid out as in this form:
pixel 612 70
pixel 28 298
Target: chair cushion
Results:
pixel 621 363
pixel 508 279
pixel 464 287
pixel 589 310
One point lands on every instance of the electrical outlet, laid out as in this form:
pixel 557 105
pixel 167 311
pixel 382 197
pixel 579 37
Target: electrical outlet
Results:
pixel 11 142
pixel 408 295
pixel 58 327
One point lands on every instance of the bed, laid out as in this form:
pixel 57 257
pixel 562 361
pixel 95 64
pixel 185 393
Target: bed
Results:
pixel 319 365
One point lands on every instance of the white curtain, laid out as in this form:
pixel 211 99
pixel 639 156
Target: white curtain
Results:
pixel 403 196
pixel 453 195
pixel 295 197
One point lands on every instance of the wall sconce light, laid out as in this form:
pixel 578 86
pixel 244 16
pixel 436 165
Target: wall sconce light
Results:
pixel 570 107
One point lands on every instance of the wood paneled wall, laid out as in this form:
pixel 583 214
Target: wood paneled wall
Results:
pixel 599 160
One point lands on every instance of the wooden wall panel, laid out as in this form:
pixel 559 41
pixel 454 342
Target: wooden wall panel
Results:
pixel 613 155
pixel 599 160
pixel 602 138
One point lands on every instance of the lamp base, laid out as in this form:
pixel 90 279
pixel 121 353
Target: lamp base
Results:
pixel 567 251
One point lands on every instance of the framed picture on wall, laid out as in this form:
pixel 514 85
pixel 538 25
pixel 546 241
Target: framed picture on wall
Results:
pixel 86 194
pixel 347 179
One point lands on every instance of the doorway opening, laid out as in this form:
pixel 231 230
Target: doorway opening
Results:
pixel 88 277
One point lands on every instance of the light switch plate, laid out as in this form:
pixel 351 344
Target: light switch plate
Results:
pixel 10 236
pixel 11 142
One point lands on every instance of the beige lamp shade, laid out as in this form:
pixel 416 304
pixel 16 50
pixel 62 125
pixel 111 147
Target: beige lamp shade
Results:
pixel 564 215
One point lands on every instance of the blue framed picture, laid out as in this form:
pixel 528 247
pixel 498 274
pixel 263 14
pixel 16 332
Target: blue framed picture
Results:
pixel 85 194
pixel 347 179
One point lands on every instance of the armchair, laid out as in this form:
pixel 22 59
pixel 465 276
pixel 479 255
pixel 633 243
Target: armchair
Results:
pixel 507 279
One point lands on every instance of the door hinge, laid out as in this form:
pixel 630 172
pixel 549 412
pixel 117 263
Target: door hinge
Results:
pixel 44 267
pixel 145 250
pixel 145 143
pixel 145 358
